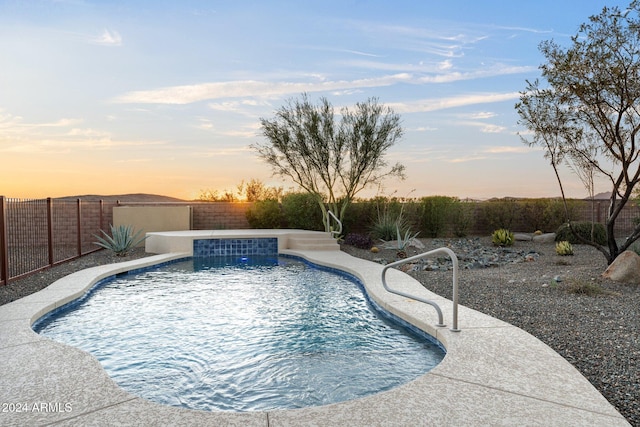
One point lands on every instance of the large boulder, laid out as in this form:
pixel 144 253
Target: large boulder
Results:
pixel 625 268
pixel 544 238
pixel 522 237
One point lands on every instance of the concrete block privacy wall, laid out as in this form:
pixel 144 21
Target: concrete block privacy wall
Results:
pixel 153 218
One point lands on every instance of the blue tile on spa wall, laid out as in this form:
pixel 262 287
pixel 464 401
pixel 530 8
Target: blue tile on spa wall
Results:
pixel 235 247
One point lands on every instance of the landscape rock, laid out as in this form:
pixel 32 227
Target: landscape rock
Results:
pixel 545 238
pixel 625 268
pixel 416 244
pixel 522 237
pixel 473 254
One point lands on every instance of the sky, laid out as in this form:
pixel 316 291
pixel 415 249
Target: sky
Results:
pixel 166 97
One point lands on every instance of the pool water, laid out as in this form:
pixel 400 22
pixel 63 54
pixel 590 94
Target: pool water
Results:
pixel 242 335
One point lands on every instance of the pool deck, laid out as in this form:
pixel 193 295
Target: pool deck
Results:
pixel 493 374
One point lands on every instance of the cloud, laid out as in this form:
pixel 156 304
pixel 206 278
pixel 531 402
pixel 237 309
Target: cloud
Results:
pixel 18 136
pixel 466 159
pixel 237 106
pixel 241 133
pixel 60 123
pixel 249 88
pixel 223 152
pixel 488 153
pixel 134 161
pixel 426 105
pixel 501 149
pixel 481 115
pixel 107 38
pixel 87 132
pixel 187 94
pixel 524 30
pixel 485 127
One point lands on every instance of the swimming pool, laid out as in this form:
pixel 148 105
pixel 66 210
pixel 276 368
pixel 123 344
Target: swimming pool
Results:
pixel 239 335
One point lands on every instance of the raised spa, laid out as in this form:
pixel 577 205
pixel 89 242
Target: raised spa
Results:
pixel 242 334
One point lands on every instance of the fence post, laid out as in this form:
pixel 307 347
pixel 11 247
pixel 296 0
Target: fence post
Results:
pixel 79 226
pixel 4 246
pixel 50 229
pixel 101 218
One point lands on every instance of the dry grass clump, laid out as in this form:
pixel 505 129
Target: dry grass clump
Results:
pixel 588 288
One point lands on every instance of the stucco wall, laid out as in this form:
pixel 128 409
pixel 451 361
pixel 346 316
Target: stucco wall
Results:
pixel 153 218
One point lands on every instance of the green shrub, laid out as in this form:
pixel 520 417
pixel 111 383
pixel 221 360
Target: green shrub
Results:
pixel 555 214
pixel 461 217
pixel 532 213
pixel 502 237
pixel 264 214
pixel 435 214
pixel 388 218
pixel 386 224
pixel 122 239
pixel 362 241
pixel 584 229
pixel 302 211
pixel 358 217
pixel 500 213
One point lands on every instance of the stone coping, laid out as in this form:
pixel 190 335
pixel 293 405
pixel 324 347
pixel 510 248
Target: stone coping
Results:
pixel 161 242
pixel 493 373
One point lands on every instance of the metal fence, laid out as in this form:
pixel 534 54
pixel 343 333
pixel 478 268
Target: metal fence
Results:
pixel 39 233
pixel 36 234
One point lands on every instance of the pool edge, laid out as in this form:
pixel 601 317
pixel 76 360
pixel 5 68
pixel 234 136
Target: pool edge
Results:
pixel 512 378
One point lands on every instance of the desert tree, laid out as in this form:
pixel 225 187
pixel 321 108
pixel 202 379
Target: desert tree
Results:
pixel 587 114
pixel 255 190
pixel 330 158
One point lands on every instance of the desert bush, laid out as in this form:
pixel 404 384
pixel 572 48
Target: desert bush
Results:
pixel 461 217
pixel 389 216
pixel 584 229
pixel 302 211
pixel 385 225
pixel 265 214
pixel 359 216
pixel 434 215
pixel 556 215
pixel 500 213
pixel 542 214
pixel 362 241
pixel 585 287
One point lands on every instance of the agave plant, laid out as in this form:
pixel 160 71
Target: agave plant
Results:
pixel 122 239
pixel 401 242
pixel 564 248
pixel 502 237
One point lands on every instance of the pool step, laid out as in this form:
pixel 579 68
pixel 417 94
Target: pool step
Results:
pixel 314 243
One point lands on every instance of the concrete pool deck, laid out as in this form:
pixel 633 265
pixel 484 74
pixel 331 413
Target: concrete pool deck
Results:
pixel 493 374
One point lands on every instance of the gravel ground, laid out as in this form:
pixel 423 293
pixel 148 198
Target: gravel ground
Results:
pixel 596 331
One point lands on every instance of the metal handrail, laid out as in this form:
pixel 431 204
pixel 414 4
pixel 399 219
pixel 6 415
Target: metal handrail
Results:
pixel 329 216
pixel 454 260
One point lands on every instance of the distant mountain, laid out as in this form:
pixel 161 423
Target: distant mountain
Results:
pixel 602 196
pixel 139 197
